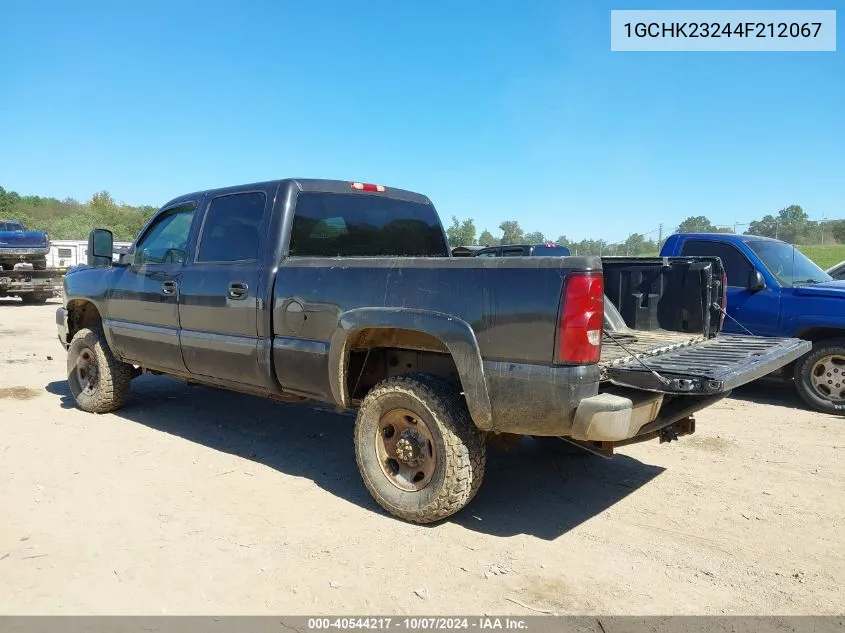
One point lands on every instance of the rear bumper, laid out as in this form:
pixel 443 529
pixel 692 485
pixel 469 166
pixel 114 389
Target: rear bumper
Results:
pixel 609 417
pixel 61 326
pixel 565 401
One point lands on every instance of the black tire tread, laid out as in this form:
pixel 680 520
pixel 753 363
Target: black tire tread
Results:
pixel 115 376
pixel 466 454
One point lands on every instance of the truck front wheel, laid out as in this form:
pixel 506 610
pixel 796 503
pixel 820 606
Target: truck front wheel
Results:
pixel 97 380
pixel 820 376
pixel 418 451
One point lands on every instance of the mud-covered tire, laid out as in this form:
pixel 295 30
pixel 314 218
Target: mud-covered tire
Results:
pixel 808 383
pixel 104 383
pixel 457 443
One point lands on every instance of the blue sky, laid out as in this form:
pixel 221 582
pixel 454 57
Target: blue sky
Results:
pixel 497 110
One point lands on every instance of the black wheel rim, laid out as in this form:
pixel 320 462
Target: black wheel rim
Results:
pixel 87 372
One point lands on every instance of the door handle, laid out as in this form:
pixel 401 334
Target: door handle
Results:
pixel 237 290
pixel 168 288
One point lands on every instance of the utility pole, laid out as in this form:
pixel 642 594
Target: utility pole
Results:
pixel 659 237
pixel 823 219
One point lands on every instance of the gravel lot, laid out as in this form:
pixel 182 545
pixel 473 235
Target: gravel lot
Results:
pixel 193 501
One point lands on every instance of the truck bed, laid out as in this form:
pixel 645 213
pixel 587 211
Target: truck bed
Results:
pixel 619 347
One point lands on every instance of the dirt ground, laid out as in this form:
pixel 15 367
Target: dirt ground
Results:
pixel 194 501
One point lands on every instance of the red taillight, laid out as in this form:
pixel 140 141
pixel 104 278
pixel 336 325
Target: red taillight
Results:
pixel 364 186
pixel 581 319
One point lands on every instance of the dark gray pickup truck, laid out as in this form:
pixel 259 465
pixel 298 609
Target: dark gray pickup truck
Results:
pixel 347 293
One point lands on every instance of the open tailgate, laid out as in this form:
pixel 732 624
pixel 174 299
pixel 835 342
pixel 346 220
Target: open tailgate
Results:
pixel 712 366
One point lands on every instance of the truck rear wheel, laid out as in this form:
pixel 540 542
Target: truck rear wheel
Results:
pixel 820 376
pixel 97 380
pixel 419 453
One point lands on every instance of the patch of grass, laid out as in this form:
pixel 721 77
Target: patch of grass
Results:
pixel 825 256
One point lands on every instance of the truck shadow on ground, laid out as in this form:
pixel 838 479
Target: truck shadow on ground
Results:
pixel 774 391
pixel 528 490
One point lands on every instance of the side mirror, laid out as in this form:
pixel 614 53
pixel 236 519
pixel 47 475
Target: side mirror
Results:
pixel 755 281
pixel 100 247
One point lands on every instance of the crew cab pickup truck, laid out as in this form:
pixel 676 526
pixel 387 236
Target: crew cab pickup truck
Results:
pixel 23 264
pixel 773 289
pixel 347 293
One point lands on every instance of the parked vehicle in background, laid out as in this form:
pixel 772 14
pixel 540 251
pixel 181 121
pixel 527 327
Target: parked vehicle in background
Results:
pixel 523 250
pixel 837 271
pixel 465 251
pixel 776 290
pixel 69 253
pixel 347 293
pixel 23 264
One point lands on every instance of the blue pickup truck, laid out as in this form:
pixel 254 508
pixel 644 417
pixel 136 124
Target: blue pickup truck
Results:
pixel 23 264
pixel 773 289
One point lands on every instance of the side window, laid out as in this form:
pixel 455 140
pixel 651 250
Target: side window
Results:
pixel 232 227
pixel 491 253
pixel 737 267
pixel 166 242
pixel 512 252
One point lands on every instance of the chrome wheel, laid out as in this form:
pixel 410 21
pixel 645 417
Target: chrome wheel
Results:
pixel 827 377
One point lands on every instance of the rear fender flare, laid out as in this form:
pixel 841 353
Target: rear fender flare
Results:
pixel 455 334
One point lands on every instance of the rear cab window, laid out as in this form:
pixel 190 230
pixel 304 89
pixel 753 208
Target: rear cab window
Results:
pixel 364 225
pixel 736 264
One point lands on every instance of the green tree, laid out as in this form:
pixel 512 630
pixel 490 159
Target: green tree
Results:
pixel 790 225
pixel 768 226
pixel 511 232
pixel 488 239
pixel 837 228
pixel 70 219
pixel 461 233
pixel 794 221
pixel 102 201
pixel 696 224
pixel 564 241
pixel 535 237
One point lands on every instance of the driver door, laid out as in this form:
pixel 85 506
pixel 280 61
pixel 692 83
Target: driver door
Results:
pixel 142 301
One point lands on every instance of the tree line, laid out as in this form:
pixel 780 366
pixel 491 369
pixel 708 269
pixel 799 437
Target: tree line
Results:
pixel 790 224
pixel 70 219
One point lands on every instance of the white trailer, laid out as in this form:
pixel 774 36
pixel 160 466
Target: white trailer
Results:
pixel 68 253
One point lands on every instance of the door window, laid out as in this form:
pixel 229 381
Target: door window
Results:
pixel 736 265
pixel 232 228
pixel 166 241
